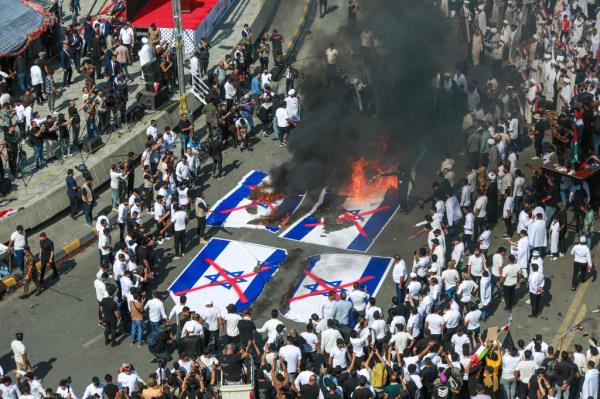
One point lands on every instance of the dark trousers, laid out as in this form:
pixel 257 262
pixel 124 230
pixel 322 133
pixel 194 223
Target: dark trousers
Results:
pixel 508 224
pixel 217 164
pixel 45 263
pixel 283 133
pixel 74 203
pixel 67 75
pixel 536 303
pixel 578 274
pixel 208 335
pixel 201 227
pixel 122 232
pixel 38 93
pixel 509 296
pixel 149 197
pixel 110 331
pixel 179 237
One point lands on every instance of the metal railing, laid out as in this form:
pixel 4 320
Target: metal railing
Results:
pixel 200 90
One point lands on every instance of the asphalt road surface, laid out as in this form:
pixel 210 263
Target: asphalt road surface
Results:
pixel 60 326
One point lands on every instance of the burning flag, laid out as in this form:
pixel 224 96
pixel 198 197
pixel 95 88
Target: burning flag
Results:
pixel 253 204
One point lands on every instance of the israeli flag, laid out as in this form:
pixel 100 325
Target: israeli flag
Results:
pixel 334 272
pixel 227 272
pixel 236 209
pixel 365 221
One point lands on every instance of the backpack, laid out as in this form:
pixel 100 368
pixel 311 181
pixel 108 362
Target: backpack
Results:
pixel 455 380
pixel 379 375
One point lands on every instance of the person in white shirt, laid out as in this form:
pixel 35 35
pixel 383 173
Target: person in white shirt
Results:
pixel 466 193
pixel 95 388
pixel 526 367
pixel 472 319
pixel 179 219
pixel 284 123
pixel 359 299
pixel 536 290
pixel 450 278
pixel 435 323
pixel 453 212
pixel 458 250
pixel 339 355
pixel 485 292
pixel 459 339
pixel 212 321
pixel 414 287
pixel 152 131
pixel 400 277
pixel 8 390
pixel 485 239
pixel 156 311
pixel 292 356
pixel 480 212
pixel 421 264
pixel 20 355
pixel 413 325
pixel 230 322
pixel 468 229
pixel 311 342
pixel 591 381
pixel 292 105
pixel 371 309
pixel 509 279
pixel 465 292
pixel 582 261
pixel 401 339
pixel 329 338
pixel 507 212
pixel 451 321
pixel 475 265
pixel 192 327
pixel 270 326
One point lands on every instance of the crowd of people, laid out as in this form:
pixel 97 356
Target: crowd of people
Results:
pixel 430 342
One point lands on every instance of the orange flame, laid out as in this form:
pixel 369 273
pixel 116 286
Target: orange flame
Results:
pixel 363 189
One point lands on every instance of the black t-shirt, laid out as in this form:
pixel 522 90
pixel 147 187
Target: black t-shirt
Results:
pixel 145 254
pixel 362 393
pixel 111 390
pixel 554 192
pixel 46 246
pixel 349 386
pixel 232 367
pixel 246 329
pixel 309 391
pixel 540 128
pixel 428 376
pixel 183 124
pixel 109 307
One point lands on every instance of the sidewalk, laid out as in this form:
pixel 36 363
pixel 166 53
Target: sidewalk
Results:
pixel 70 236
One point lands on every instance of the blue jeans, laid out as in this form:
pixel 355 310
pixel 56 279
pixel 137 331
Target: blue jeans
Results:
pixel 87 212
pixel 38 154
pixel 275 129
pixel 509 388
pixel 154 326
pixel 22 79
pixel 137 329
pixel 92 127
pixel 115 197
pixel 184 140
pixel 451 293
pixel 400 293
pixel 19 258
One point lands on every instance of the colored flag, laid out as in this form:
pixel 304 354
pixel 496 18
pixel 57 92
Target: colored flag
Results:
pixel 227 272
pixel 333 272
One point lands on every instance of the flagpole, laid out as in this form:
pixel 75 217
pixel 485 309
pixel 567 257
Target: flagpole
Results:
pixel 176 5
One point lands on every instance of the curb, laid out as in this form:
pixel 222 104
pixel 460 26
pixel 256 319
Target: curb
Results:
pixel 11 283
pixel 302 24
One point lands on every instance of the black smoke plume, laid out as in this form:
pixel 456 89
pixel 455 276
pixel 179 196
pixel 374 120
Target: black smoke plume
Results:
pixel 398 100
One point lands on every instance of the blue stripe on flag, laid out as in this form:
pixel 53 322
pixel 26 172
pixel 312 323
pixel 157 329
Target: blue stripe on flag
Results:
pixel 312 261
pixel 216 218
pixel 259 281
pixel 197 266
pixel 376 267
pixel 375 223
pixel 300 230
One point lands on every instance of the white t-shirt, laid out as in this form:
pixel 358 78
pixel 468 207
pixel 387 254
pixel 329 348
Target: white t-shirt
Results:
pixel 509 365
pixel 292 355
pixel 378 327
pixel 211 318
pixel 450 277
pixel 401 340
pixel 331 55
pixel 451 318
pixel 339 357
pixel 485 239
pixel 311 341
pixel 232 324
pixel 458 341
pixel 179 220
pixel 435 323
pixel 481 204
pixel 18 240
pixel 476 263
pixel 18 350
pixel 472 319
pixel 282 117
pixel 465 290
pixel 510 273
pixel 358 345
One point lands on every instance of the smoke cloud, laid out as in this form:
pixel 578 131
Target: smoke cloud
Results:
pixel 398 99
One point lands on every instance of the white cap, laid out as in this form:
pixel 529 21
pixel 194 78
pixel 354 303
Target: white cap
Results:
pixel 505 22
pixel 567 80
pixel 144 40
pixel 535 253
pixel 481 7
pixel 433 269
pixel 532 81
pixel 291 92
pixel 492 176
pixel 491 141
pixel 208 302
pixel 547 56
pixel 413 275
pixel 582 239
pixel 536 36
pixel 494 30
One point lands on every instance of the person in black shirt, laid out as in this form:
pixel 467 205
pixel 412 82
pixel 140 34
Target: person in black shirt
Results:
pixel 311 389
pixel 47 258
pixel 362 392
pixel 110 389
pixel 231 364
pixel 551 200
pixel 246 327
pixel 540 127
pixel 350 384
pixel 110 317
pixel 185 131
pixel 429 373
pixel 74 123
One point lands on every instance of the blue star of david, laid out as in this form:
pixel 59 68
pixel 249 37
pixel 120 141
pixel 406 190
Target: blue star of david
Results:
pixel 356 212
pixel 217 277
pixel 316 287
